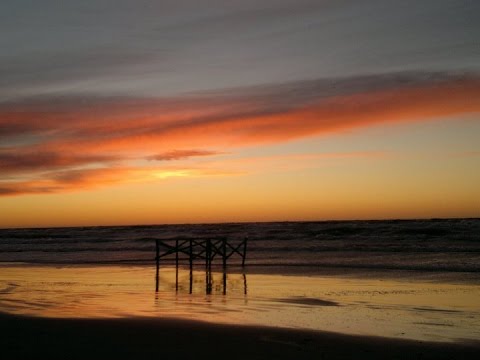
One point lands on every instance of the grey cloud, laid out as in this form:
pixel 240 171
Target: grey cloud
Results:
pixel 56 68
pixel 84 115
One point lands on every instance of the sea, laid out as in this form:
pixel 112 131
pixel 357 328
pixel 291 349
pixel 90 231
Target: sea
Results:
pixel 435 245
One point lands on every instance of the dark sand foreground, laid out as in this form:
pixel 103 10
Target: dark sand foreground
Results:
pixel 26 337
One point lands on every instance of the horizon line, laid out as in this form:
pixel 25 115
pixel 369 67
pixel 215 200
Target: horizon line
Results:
pixel 244 222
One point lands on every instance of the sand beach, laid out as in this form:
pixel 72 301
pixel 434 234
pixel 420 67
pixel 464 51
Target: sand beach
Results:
pixel 98 311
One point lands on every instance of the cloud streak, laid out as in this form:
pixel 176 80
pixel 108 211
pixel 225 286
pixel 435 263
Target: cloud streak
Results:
pixel 82 179
pixel 17 162
pixel 182 154
pixel 43 134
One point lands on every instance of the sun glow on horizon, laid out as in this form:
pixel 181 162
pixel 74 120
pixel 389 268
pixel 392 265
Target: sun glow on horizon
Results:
pixel 160 174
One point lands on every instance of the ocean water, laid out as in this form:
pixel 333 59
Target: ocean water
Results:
pixel 437 245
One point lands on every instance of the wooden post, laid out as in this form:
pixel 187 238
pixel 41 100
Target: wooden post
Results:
pixel 191 266
pixel 176 265
pixel 176 253
pixel 224 266
pixel 207 257
pixel 244 284
pixel 208 273
pixel 210 256
pixel 224 253
pixel 157 259
pixel 244 251
pixel 207 279
pixel 191 282
pixel 224 281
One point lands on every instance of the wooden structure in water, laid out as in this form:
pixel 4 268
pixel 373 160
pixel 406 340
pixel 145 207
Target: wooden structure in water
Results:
pixel 204 249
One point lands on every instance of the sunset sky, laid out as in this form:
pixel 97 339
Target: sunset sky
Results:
pixel 150 112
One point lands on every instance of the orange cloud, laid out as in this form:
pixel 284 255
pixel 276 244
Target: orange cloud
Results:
pixel 182 154
pixel 93 178
pixel 222 128
pixel 26 161
pixel 81 179
pixel 74 135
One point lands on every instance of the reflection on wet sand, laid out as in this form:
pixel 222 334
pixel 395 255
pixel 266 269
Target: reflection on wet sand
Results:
pixel 391 307
pixel 209 281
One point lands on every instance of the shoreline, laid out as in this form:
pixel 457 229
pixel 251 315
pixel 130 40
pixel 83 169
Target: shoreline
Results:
pixel 26 337
pixel 453 277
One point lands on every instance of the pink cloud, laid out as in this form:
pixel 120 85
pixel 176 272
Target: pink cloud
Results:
pixel 74 136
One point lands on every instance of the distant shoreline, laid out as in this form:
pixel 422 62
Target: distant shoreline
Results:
pixel 467 277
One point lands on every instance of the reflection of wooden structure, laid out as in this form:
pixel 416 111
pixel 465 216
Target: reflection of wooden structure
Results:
pixel 206 249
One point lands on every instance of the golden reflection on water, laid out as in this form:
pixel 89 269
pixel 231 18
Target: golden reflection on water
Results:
pixel 386 307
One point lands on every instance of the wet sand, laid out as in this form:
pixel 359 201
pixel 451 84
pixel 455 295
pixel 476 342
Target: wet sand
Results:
pixel 99 312
pixel 140 338
pixel 402 308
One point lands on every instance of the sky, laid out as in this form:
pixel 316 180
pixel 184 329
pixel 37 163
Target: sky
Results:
pixel 151 112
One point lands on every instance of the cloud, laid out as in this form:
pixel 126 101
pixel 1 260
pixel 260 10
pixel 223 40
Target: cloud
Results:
pixel 16 161
pixel 291 162
pixel 72 133
pixel 182 154
pixel 81 179
pixel 60 67
pixel 111 117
